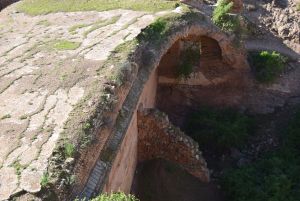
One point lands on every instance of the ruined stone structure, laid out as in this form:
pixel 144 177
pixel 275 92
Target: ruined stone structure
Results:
pixel 133 130
pixel 158 138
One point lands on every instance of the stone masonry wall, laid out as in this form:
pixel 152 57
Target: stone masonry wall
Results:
pixel 158 138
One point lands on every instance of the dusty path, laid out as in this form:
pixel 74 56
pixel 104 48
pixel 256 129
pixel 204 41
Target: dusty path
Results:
pixel 47 63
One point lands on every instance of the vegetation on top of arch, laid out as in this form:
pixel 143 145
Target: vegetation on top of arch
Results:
pixel 164 26
pixel 224 19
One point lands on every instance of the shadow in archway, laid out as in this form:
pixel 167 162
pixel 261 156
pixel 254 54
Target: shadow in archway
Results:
pixel 160 180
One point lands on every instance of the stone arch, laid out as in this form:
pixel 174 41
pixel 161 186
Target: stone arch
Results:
pixel 208 48
pixel 232 54
pixel 113 169
pixel 156 139
pixel 220 58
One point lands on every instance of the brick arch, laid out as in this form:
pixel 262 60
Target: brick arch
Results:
pixel 232 54
pixel 214 53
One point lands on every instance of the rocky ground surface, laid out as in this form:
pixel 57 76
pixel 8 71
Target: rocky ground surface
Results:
pixel 277 23
pixel 47 63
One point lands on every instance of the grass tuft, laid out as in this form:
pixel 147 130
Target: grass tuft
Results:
pixel 65 45
pixel 69 150
pixel 72 30
pixel 223 19
pixel 7 116
pixel 45 179
pixel 18 167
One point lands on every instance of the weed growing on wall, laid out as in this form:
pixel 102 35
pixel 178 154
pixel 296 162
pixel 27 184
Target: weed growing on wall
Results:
pixel 223 19
pixel 69 149
pixel 189 58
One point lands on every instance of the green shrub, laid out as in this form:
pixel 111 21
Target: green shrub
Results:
pixel 223 19
pixel 267 66
pixel 219 129
pixel 120 196
pixel 189 58
pixel 274 177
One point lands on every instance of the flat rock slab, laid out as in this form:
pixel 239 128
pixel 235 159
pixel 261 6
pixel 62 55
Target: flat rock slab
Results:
pixel 47 63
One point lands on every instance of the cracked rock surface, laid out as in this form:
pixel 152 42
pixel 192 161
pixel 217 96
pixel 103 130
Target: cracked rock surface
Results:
pixel 42 78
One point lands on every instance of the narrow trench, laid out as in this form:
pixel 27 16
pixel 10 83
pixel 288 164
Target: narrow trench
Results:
pixel 162 180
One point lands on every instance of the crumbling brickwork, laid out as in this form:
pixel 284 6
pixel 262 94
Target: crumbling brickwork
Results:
pixel 158 138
